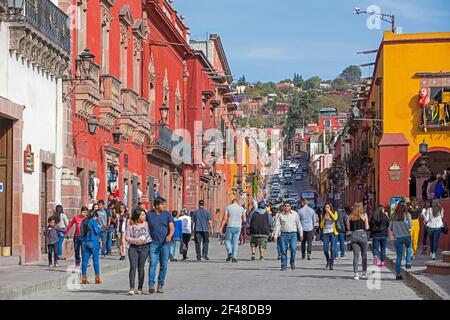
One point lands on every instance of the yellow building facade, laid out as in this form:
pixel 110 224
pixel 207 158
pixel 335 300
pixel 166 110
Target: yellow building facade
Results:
pixel 412 74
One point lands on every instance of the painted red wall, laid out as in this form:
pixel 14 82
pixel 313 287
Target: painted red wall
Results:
pixel 30 236
pixel 335 125
pixel 388 187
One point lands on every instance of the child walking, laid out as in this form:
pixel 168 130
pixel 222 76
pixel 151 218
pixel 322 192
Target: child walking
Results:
pixel 51 233
pixel 177 236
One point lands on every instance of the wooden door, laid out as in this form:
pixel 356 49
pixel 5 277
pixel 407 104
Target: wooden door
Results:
pixel 6 150
pixel 43 204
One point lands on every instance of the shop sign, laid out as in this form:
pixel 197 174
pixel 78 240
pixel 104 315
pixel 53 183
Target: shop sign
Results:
pixel 395 172
pixel 28 161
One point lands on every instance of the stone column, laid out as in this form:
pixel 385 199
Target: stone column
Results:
pixel 422 173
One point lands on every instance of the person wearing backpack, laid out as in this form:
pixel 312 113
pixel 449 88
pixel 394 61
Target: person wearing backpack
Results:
pixel 341 226
pixel 260 228
pixel 379 225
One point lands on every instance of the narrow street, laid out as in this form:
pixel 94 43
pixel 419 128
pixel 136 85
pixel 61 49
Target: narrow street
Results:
pixel 245 280
pixel 216 279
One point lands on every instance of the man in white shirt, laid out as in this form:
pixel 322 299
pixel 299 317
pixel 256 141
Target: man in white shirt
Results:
pixel 287 227
pixel 187 230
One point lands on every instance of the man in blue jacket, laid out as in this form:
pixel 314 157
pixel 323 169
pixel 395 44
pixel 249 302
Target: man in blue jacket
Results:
pixel 161 227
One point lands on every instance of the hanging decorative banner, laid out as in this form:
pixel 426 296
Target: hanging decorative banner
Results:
pixel 28 159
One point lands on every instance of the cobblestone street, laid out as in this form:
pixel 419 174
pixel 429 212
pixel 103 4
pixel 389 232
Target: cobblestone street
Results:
pixel 217 279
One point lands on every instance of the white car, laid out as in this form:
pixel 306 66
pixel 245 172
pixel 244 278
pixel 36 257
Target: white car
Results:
pixel 288 174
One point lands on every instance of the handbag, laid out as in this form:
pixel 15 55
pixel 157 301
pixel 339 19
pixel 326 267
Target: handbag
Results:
pixel 349 246
pixel 444 229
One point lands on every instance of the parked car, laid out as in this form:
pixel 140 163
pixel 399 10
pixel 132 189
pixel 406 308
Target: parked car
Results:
pixel 287 181
pixel 288 174
pixel 298 177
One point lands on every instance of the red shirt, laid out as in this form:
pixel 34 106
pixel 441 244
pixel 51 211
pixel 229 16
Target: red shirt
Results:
pixel 77 221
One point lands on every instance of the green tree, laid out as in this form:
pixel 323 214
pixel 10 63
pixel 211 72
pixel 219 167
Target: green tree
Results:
pixel 340 84
pixel 312 83
pixel 304 105
pixel 352 74
pixel 242 81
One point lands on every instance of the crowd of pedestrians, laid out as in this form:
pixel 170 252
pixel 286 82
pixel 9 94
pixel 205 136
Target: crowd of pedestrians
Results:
pixel 160 236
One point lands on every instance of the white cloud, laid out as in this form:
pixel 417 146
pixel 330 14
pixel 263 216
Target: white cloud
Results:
pixel 423 11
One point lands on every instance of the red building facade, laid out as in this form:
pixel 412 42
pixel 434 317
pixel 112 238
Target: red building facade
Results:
pixel 143 60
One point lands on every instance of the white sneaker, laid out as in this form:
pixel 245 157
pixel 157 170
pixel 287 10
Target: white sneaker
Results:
pixel 364 274
pixel 433 256
pixel 139 292
pixel 131 292
pixel 356 277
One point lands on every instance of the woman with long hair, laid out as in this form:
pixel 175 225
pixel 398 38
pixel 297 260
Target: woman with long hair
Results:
pixel 399 226
pixel 138 237
pixel 425 228
pixel 90 237
pixel 329 233
pixel 122 221
pixel 433 219
pixel 415 213
pixel 379 225
pixel 62 222
pixel 357 224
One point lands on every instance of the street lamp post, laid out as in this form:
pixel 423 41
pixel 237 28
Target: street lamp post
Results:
pixel 383 16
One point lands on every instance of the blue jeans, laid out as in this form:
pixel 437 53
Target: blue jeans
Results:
pixel 103 235
pixel 288 241
pixel 90 248
pixel 329 240
pixel 434 234
pixel 340 244
pixel 109 240
pixel 60 243
pixel 279 246
pixel 159 252
pixel 377 243
pixel 77 249
pixel 175 249
pixel 401 244
pixel 232 241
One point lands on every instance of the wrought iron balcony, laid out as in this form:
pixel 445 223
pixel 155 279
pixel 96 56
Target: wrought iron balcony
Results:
pixel 49 20
pixel 166 141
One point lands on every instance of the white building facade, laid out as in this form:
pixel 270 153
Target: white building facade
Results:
pixel 34 57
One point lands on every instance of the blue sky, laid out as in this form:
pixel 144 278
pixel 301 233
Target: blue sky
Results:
pixel 270 40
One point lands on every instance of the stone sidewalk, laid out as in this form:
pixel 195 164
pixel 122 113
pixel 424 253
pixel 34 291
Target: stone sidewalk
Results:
pixel 433 286
pixel 18 282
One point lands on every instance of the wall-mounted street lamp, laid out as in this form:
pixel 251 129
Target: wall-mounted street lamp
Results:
pixel 14 9
pixel 83 69
pixel 383 16
pixel 423 148
pixel 164 111
pixel 92 125
pixel 117 134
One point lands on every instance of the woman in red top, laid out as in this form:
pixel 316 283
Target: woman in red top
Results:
pixel 77 235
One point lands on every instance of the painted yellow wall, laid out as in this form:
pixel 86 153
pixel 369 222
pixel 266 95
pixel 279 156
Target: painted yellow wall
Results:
pixel 401 61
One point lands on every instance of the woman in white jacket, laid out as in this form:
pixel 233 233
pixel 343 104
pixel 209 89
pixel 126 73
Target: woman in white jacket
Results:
pixel 434 223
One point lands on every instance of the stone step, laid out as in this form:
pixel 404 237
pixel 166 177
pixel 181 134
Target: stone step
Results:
pixel 9 261
pixel 438 267
pixel 446 256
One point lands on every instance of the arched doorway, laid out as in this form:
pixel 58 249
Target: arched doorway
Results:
pixel 434 163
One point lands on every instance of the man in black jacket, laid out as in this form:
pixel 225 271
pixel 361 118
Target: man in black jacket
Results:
pixel 260 229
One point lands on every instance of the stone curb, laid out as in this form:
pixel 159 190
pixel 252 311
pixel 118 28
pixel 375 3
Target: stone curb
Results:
pixel 59 282
pixel 415 281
